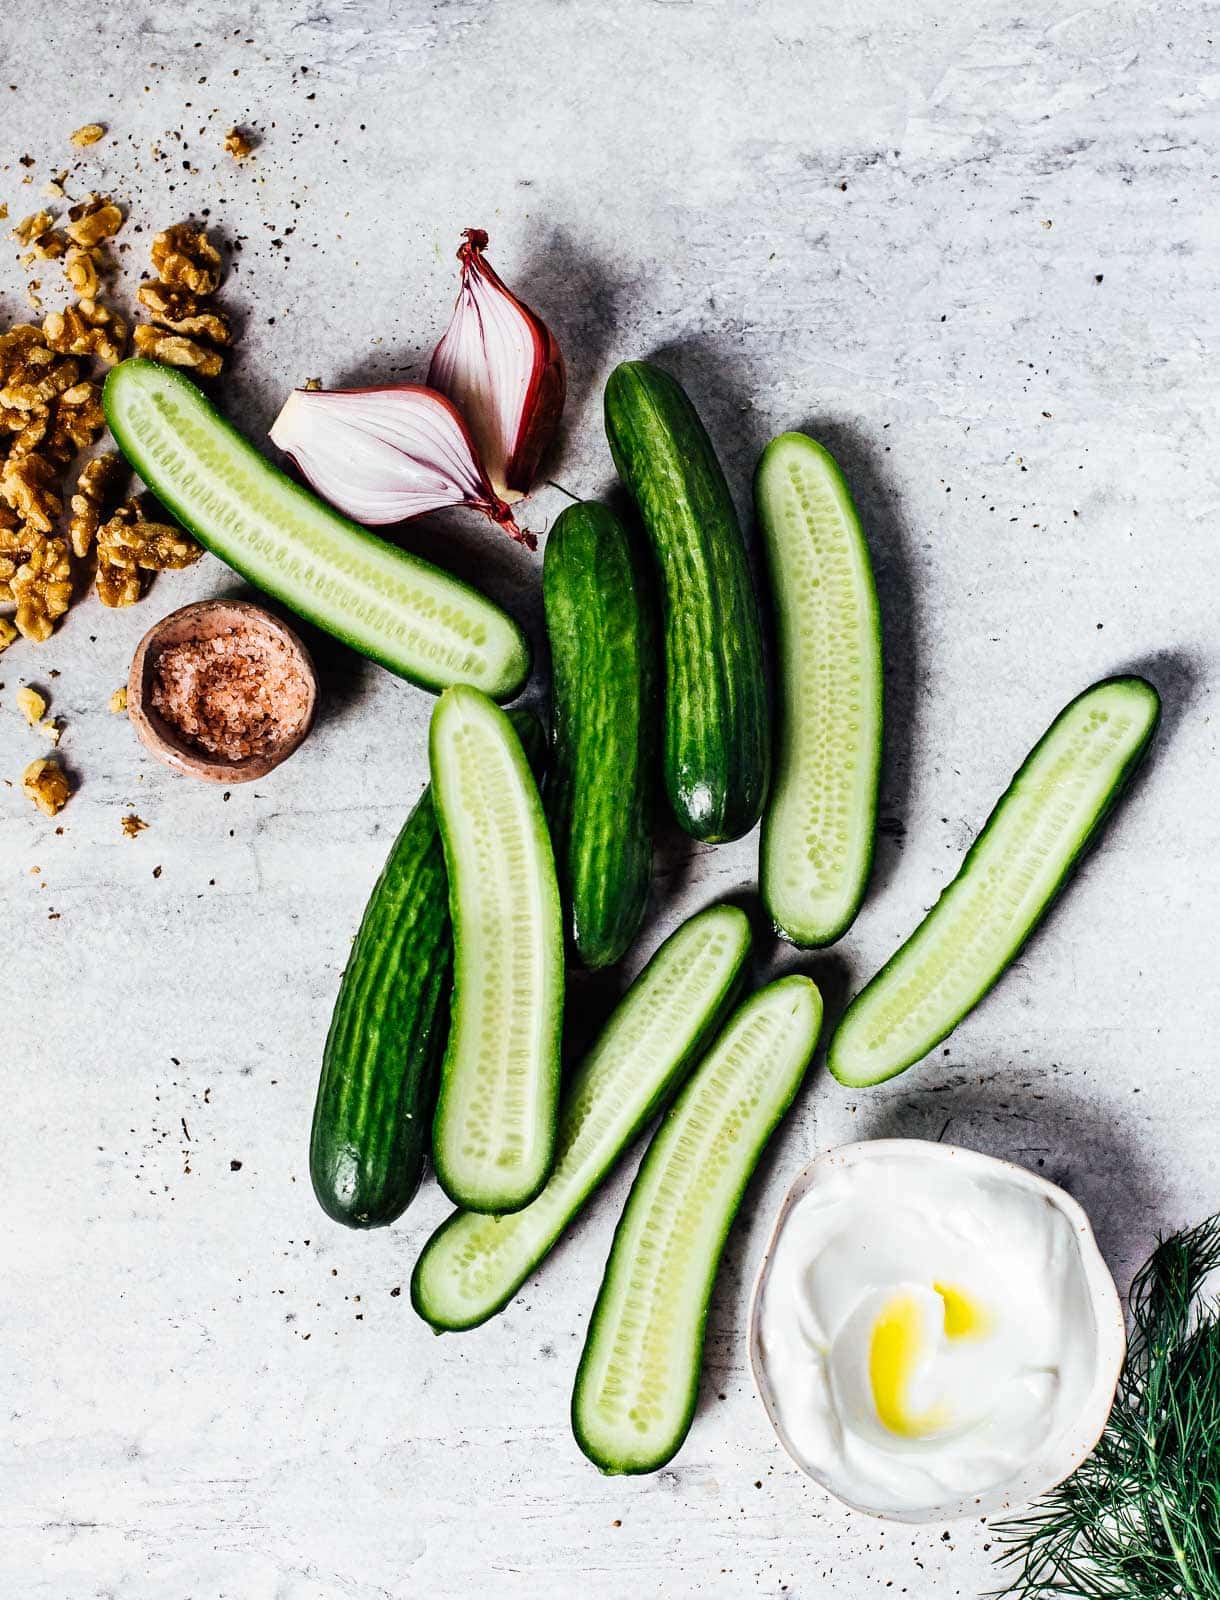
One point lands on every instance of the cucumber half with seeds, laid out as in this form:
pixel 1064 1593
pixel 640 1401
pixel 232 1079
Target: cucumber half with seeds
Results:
pixel 373 1116
pixel 403 612
pixel 1014 869
pixel 473 1265
pixel 821 817
pixel 638 1378
pixel 493 1139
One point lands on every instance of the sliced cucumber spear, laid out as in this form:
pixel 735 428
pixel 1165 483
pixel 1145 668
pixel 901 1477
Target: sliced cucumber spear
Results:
pixel 818 829
pixel 1012 872
pixel 639 1375
pixel 473 1265
pixel 493 1139
pixel 403 612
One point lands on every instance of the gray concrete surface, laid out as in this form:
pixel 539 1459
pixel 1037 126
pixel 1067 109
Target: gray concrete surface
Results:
pixel 974 250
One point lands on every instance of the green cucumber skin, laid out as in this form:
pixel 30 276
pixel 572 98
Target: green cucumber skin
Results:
pixel 1087 842
pixel 789 691
pixel 137 373
pixel 614 1466
pixel 373 1114
pixel 600 795
pixel 717 726
pixel 514 1200
pixel 372 1118
pixel 664 1093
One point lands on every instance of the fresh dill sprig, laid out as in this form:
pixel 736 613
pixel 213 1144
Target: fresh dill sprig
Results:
pixel 1140 1519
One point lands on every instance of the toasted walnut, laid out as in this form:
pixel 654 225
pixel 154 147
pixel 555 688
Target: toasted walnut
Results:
pixel 42 379
pixel 238 144
pixel 176 351
pixel 183 312
pixel 83 270
pixel 31 436
pixel 17 349
pixel 7 633
pixel 34 227
pixel 129 546
pixel 186 258
pixel 31 705
pixel 87 329
pixel 78 420
pixel 132 824
pixel 42 588
pixel 28 486
pixel 93 220
pixel 89 134
pixel 46 783
pixel 94 489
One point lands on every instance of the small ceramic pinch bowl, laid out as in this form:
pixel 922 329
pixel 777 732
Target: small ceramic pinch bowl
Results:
pixel 201 623
pixel 1075 1436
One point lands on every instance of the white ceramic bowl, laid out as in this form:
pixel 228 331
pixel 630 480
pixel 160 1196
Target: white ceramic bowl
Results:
pixel 1064 1452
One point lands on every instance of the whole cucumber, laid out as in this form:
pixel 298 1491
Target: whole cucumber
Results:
pixel 372 1118
pixel 600 795
pixel 717 726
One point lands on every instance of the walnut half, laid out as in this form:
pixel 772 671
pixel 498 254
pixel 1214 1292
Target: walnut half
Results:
pixel 175 350
pixel 186 258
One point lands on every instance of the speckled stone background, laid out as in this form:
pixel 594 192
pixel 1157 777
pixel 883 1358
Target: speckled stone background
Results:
pixel 973 249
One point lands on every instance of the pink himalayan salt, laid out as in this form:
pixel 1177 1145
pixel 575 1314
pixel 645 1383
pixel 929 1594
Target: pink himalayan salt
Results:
pixel 238 693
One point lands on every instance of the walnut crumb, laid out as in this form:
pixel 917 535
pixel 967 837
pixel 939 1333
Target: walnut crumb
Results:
pixel 46 783
pixel 133 825
pixel 118 701
pixel 93 220
pixel 31 705
pixel 83 269
pixel 87 135
pixel 7 633
pixel 238 144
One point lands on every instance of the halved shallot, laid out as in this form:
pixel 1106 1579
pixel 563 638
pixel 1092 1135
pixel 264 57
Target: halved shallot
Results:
pixel 387 454
pixel 500 365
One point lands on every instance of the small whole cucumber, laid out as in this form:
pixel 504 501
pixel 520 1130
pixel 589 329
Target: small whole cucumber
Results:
pixel 600 793
pixel 373 1115
pixel 717 727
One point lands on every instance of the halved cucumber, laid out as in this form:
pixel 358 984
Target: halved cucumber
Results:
pixel 639 1374
pixel 493 1140
pixel 372 1121
pixel 403 612
pixel 473 1265
pixel 818 829
pixel 1014 869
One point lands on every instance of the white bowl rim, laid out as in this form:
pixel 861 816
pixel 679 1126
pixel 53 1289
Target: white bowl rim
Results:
pixel 1073 1443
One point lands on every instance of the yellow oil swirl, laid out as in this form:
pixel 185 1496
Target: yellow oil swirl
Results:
pixel 895 1349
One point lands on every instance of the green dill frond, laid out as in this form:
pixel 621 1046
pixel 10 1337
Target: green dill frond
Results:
pixel 1140 1519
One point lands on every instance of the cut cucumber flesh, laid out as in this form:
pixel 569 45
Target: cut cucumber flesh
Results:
pixel 403 612
pixel 639 1374
pixel 473 1265
pixel 1014 869
pixel 821 817
pixel 493 1139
